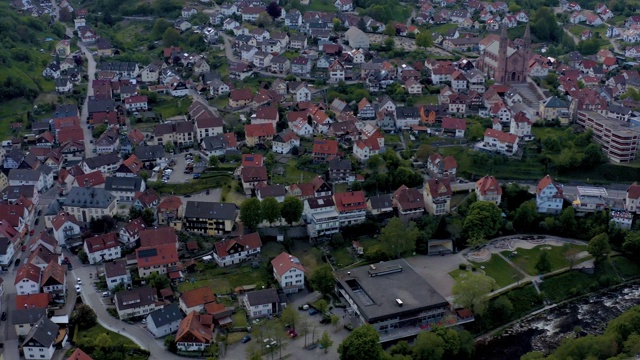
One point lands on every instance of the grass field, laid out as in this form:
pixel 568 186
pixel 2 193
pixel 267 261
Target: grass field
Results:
pixel 442 29
pixel 169 106
pixel 240 319
pixel 574 283
pixel 426 99
pixel 116 340
pixel 628 269
pixel 527 258
pixel 230 195
pixel 343 257
pixel 292 174
pixel 500 270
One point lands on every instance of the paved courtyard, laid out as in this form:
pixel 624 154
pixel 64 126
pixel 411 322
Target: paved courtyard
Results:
pixel 435 269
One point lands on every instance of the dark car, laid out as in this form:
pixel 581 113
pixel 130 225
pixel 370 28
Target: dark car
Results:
pixel 246 339
pixel 4 316
pixel 39 212
pixel 325 320
pixel 37 221
pixel 17 262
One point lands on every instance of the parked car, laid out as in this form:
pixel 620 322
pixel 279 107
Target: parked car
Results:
pixel 313 311
pixel 4 316
pixel 325 320
pixel 246 339
pixel 78 289
pixel 106 294
pixel 17 262
pixel 196 176
pixel 37 221
pixel 24 247
pixel 33 231
pixel 79 281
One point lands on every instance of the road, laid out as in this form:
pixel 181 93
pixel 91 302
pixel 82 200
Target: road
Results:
pixel 84 115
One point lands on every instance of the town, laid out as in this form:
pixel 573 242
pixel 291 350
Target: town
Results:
pixel 358 179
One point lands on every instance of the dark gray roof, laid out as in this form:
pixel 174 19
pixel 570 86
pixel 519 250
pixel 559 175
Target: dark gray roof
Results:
pixel 166 315
pixel 266 296
pixel 65 110
pixel 14 192
pixel 104 159
pixel 54 208
pixel 27 316
pixel 335 164
pixel 4 245
pixel 118 183
pixel 272 191
pixel 88 198
pixel 210 210
pixel 555 102
pixel 129 299
pixel 216 142
pixel 117 66
pixel 16 155
pixel 406 111
pixel 115 268
pixel 376 296
pixel 382 201
pixel 320 202
pixel 150 152
pixel 619 109
pixel 100 105
pixel 42 334
pixel 24 175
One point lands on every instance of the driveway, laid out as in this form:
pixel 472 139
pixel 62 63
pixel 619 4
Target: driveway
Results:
pixel 435 269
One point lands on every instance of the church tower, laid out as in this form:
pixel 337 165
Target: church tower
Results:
pixel 526 39
pixel 501 71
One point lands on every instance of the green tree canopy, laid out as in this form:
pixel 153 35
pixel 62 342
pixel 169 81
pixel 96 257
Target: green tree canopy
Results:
pixel 270 209
pixel 325 341
pixel 483 221
pixel 599 247
pixel 84 317
pixel 171 37
pixel 525 219
pixel 543 264
pixel 471 290
pixel 291 209
pixel 323 280
pixel 424 39
pixel 399 239
pixel 428 346
pixel 363 343
pixel 251 213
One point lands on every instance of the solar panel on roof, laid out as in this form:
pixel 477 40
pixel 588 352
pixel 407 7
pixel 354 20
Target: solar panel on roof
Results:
pixel 147 253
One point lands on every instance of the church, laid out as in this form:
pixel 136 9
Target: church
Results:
pixel 504 63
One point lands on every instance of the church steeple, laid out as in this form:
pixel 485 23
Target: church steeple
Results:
pixel 501 72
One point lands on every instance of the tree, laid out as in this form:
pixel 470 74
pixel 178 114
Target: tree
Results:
pixel 159 27
pixel 83 257
pixel 362 343
pixel 274 10
pixel 103 341
pixel 270 209
pixel 158 281
pixel 631 243
pixel 134 213
pixel 65 14
pixel 325 341
pixel 389 43
pixel 423 152
pixel 483 221
pixel 171 37
pixel 526 217
pixel 322 279
pixel 374 162
pixel 84 317
pixel 290 316
pixel 570 254
pixel 428 346
pixel 543 265
pixel 169 147
pixel 424 39
pixel 149 217
pixel 470 291
pixel 567 221
pixel 390 29
pixel 599 247
pixel 99 130
pixel 399 239
pixel 214 161
pixel 251 213
pixel 322 306
pixel 291 210
pixel 361 24
pixel 170 343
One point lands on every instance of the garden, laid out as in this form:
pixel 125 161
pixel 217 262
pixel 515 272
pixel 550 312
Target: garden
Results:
pixel 559 257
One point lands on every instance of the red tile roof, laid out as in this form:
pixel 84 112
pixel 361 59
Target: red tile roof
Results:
pixel 501 136
pixel 350 201
pixel 254 173
pixel 241 95
pixel 198 296
pixel 267 112
pixel 33 301
pixel 439 187
pixel 325 146
pixel 488 184
pixel 546 181
pixel 249 242
pixel 633 191
pixel 408 198
pixel 259 130
pixel 78 354
pixel 91 179
pixel 252 159
pixel 133 163
pixel 62 218
pixel 170 203
pixel 158 236
pixel 157 255
pixel 284 262
pixel 102 242
pixel 454 124
pixel 191 330
pixel 29 272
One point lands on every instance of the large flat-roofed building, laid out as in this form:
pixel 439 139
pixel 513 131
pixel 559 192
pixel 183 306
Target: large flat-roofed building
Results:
pixel 618 140
pixel 391 295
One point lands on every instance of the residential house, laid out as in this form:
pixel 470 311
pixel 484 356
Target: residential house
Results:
pixel 170 211
pixel 321 216
pixel 437 196
pixel 356 38
pixel 284 141
pixel 236 250
pixel 253 177
pixel 366 110
pixel 194 300
pixel 288 272
pixel 27 279
pixel 351 206
pixel 262 303
pixel 549 196
pixel 164 321
pixel 409 203
pixel 105 163
pixel 194 334
pixel 500 142
pixel 209 217
pixel 102 248
pixel 520 125
pixel 41 341
pixel 116 273
pixel 135 302
pixel 24 319
pixel 454 127
pixel 240 97
pixel 54 281
pixel 218 145
pixel 65 226
pixel 381 204
pixel 488 189
pixel 301 66
pixel 337 71
pixel 407 116
pixel 439 167
pixel 324 150
pixel 158 259
pixel 86 204
pixel 553 108
pixel 341 171
pixel 124 188
pixel 258 133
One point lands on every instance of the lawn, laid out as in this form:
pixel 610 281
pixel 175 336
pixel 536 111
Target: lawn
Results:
pixel 426 99
pixel 574 283
pixel 240 319
pixel 231 195
pixel 627 268
pixel 442 29
pixel 169 106
pixel 321 5
pixel 224 280
pixel 292 174
pixel 116 340
pixel 527 258
pixel 310 257
pixel 220 102
pixel 500 270
pixel 235 337
pixel 343 257
pixel 194 185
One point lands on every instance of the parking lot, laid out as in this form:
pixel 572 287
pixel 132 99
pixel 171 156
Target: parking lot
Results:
pixel 178 176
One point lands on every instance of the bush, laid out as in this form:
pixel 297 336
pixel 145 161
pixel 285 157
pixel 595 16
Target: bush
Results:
pixel 462 266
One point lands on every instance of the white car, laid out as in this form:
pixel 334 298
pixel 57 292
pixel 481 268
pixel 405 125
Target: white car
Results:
pixel 78 289
pixel 79 281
